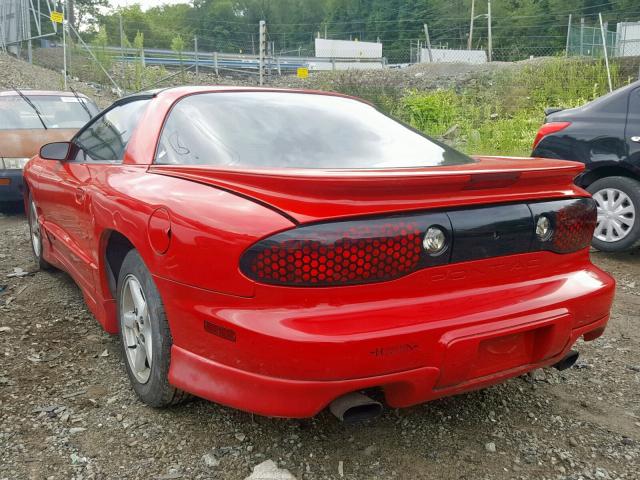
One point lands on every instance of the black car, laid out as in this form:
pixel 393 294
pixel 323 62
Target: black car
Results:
pixel 604 135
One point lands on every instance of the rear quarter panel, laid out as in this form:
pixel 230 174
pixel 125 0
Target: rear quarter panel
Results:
pixel 209 228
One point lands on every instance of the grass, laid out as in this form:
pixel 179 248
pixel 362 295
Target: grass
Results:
pixel 501 114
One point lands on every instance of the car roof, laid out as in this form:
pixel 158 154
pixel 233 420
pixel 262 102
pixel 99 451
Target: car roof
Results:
pixel 36 93
pixel 185 90
pixel 176 93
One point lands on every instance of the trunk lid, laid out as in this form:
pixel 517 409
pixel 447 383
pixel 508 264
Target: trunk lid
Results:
pixel 311 195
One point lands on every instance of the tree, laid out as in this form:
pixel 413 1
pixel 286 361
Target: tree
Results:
pixel 84 12
pixel 177 45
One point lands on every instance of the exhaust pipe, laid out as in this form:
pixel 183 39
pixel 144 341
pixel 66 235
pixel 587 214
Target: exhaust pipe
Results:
pixel 355 407
pixel 568 361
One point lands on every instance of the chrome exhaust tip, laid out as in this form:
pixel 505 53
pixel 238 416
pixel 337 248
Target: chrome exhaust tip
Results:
pixel 568 361
pixel 355 407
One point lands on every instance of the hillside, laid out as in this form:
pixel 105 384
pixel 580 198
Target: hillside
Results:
pixel 20 74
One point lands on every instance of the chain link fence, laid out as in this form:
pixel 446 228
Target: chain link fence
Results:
pixel 118 55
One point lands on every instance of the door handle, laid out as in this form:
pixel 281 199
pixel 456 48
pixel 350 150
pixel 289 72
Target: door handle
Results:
pixel 80 194
pixel 635 139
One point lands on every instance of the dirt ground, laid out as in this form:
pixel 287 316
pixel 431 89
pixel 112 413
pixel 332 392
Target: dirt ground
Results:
pixel 67 411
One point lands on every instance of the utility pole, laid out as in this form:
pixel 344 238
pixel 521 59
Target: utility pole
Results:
pixel 489 25
pixel 195 47
pixel 426 33
pixel 262 47
pixel 566 51
pixel 581 36
pixel 122 65
pixel 473 7
pixel 64 45
pixel 71 13
pixel 606 54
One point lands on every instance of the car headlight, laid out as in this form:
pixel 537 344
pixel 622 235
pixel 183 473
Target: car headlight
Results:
pixel 14 163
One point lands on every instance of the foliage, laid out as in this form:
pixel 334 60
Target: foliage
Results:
pixel 101 42
pixel 177 45
pixel 502 114
pixel 83 12
pixel 139 66
pixel 519 26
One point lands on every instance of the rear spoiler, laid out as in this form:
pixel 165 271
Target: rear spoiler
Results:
pixel 550 110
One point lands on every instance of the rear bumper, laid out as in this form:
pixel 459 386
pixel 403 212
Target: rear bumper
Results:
pixel 11 186
pixel 290 352
pixel 280 397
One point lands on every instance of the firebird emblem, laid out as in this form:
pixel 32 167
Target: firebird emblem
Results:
pixel 394 350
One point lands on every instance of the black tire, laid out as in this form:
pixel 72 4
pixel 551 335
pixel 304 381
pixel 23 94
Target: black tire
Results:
pixel 36 240
pixel 631 188
pixel 156 391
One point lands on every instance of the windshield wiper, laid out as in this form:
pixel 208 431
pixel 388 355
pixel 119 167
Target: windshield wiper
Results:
pixel 30 103
pixel 81 101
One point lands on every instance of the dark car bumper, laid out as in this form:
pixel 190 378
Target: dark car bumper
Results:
pixel 11 186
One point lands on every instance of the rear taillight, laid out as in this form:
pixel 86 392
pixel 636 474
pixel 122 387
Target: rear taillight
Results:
pixel 571 225
pixel 548 129
pixel 346 253
pixel 379 249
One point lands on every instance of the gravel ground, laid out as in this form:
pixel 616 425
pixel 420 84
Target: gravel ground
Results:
pixel 16 73
pixel 67 411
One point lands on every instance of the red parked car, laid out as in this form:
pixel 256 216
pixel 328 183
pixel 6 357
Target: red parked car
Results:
pixel 280 250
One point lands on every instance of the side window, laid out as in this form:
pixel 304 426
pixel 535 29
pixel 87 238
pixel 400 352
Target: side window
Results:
pixel 106 138
pixel 182 144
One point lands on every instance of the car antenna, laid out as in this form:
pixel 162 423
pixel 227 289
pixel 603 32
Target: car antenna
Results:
pixel 81 102
pixel 30 103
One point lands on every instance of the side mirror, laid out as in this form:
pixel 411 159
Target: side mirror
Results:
pixel 55 151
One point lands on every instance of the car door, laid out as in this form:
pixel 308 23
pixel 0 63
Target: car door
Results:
pixel 632 132
pixel 100 144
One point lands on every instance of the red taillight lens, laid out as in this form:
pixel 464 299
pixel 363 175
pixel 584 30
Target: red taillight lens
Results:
pixel 345 253
pixel 549 128
pixel 572 224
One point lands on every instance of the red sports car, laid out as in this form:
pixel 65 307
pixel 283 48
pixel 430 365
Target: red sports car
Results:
pixel 281 250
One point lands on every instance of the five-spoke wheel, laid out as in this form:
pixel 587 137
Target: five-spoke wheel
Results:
pixel 137 329
pixel 145 336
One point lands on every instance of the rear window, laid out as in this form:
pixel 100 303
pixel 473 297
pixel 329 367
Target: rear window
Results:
pixel 56 112
pixel 292 130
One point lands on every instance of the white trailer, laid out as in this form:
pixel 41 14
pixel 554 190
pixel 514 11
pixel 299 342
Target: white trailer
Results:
pixel 446 55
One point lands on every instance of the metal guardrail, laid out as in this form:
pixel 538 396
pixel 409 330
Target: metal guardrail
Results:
pixel 233 62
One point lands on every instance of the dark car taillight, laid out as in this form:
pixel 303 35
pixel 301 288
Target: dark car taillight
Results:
pixel 548 129
pixel 571 224
pixel 379 249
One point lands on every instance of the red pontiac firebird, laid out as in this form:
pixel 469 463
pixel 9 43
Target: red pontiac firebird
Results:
pixel 279 251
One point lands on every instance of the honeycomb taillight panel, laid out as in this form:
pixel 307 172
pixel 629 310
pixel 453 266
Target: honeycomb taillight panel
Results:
pixel 379 249
pixel 345 253
pixel 573 223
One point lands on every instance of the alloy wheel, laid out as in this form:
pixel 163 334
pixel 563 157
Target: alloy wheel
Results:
pixel 34 225
pixel 136 328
